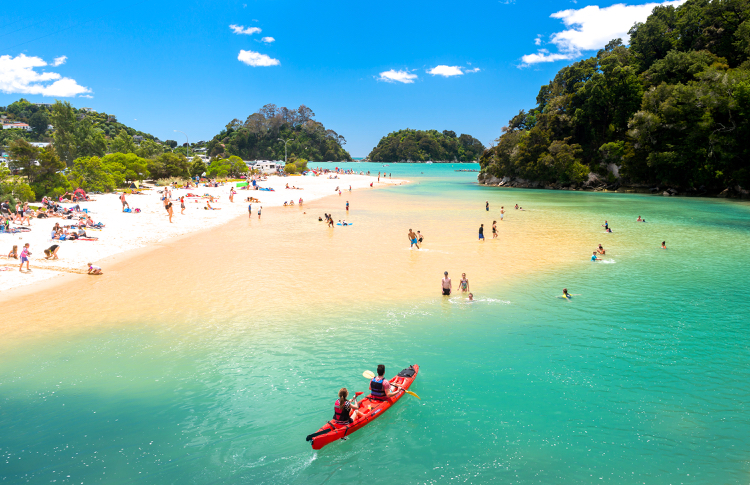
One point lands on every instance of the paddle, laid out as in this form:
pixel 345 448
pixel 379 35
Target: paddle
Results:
pixel 371 375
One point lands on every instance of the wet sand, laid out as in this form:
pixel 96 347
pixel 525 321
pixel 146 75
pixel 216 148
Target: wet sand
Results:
pixel 290 262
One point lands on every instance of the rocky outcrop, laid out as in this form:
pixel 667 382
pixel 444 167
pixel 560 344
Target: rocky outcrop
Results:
pixel 596 184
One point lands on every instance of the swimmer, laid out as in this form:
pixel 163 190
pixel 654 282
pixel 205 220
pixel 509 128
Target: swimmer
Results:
pixel 664 244
pixel 566 294
pixel 420 237
pixel 494 229
pixel 639 219
pixel 516 206
pixel 608 229
pixel 594 258
pixel 413 239
pixel 601 250
pixel 471 296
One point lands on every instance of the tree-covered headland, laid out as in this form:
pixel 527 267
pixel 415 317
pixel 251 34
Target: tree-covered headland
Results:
pixel 421 146
pixel 261 137
pixel 671 109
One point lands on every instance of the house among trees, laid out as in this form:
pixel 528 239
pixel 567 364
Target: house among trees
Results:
pixel 20 126
pixel 137 138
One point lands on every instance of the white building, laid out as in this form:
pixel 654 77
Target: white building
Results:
pixel 19 126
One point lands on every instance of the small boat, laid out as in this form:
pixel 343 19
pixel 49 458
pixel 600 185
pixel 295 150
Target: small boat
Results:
pixel 428 163
pixel 372 408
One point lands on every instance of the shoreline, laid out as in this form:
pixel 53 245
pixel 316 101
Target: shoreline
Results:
pixel 615 188
pixel 128 232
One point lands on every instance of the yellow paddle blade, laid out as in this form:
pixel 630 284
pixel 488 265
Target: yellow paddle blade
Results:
pixel 413 394
pixel 368 374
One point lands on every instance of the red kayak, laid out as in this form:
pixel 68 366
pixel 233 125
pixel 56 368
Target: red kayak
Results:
pixel 372 408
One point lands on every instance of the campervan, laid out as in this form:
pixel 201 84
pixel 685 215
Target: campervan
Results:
pixel 266 166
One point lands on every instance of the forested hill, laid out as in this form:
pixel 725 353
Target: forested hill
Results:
pixel 420 146
pixel 257 138
pixel 671 109
pixel 40 115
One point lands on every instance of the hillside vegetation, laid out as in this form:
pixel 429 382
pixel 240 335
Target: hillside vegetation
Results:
pixel 261 135
pixel 672 108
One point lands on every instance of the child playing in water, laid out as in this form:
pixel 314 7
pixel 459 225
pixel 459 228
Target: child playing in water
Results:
pixel 594 258
pixel 464 283
pixel 664 244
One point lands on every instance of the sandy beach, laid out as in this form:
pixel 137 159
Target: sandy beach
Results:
pixel 127 231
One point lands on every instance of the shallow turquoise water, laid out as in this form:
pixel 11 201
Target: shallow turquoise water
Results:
pixel 641 378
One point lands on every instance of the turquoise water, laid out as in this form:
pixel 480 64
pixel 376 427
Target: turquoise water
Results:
pixel 641 378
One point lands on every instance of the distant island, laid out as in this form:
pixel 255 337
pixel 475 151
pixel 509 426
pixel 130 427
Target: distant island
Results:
pixel 669 114
pixel 429 145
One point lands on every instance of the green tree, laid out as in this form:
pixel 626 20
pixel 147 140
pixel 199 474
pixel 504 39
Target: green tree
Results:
pixel 63 118
pixel 122 143
pixel 92 175
pixel 197 167
pixel 89 140
pixel 168 165
pixel 149 149
pixel 39 122
pixel 23 156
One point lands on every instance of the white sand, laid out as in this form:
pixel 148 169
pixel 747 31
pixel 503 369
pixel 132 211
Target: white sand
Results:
pixel 126 231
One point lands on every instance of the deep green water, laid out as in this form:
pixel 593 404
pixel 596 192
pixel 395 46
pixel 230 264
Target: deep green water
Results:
pixel 642 378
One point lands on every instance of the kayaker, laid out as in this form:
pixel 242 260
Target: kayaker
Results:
pixel 345 411
pixel 380 389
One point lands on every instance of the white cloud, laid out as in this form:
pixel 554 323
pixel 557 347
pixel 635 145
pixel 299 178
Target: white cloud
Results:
pixel 394 76
pixel 450 71
pixel 538 40
pixel 86 96
pixel 591 27
pixel 268 40
pixel 59 61
pixel 256 59
pixel 445 71
pixel 18 75
pixel 240 29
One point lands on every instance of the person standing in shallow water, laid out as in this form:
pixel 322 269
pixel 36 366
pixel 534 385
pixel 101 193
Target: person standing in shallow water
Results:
pixel 487 206
pixel 481 232
pixel 494 229
pixel 447 285
pixel 413 239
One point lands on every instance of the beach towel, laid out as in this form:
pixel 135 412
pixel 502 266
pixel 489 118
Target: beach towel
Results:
pixel 127 210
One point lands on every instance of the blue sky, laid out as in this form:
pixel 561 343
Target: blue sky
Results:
pixel 365 68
